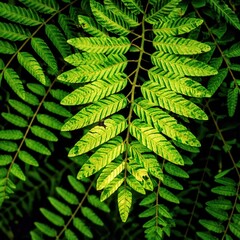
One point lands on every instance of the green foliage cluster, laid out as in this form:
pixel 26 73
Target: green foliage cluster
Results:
pixel 119 119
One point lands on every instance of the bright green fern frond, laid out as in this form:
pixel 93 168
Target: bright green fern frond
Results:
pixel 105 45
pixel 124 202
pixel 13 32
pixel 37 147
pixel 110 21
pixel 183 85
pixel 181 46
pixel 11 134
pixel 42 6
pixel 14 82
pixel 176 26
pixel 32 66
pixel 21 108
pixel 86 73
pixel 182 65
pixel 95 91
pixel 19 15
pixel 99 135
pixel 171 101
pixel 43 133
pixel 153 140
pixel 226 12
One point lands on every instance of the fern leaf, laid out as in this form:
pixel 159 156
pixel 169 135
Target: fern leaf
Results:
pixel 37 146
pixel 119 9
pixel 163 122
pixel 17 172
pixel 140 173
pixel 150 198
pixel 183 85
pixel 99 135
pixel 43 133
pixel 182 46
pixel 135 185
pixel 96 112
pixel 153 140
pixel 167 195
pixel 32 66
pixel 91 27
pixel 5 160
pixel 105 45
pixel 95 91
pixel 87 73
pixel 92 216
pixel 223 204
pixel 226 12
pixel 8 146
pixel 124 202
pixel 52 217
pixel 15 119
pixel 182 65
pixel 67 25
pixel 58 94
pixel 77 185
pixel 61 207
pixel 232 100
pixel 171 182
pixel 42 49
pixel 175 170
pixel 57 109
pixel 224 190
pixel 36 88
pixel 135 6
pixel 19 15
pixel 31 99
pixel 69 197
pixel 233 51
pixel 27 158
pixel 46 230
pixel 58 39
pixel 49 121
pixel 94 201
pixel 164 11
pixel 110 172
pixel 111 188
pixel 11 134
pixel 109 20
pixel 14 82
pixel 21 107
pixel 82 227
pixel 218 214
pixel 176 26
pixel 234 228
pixel 103 156
pixel 7 48
pixel 206 236
pixel 85 58
pixel 42 6
pixel 215 81
pixel 212 225
pixel 171 101
pixel 13 32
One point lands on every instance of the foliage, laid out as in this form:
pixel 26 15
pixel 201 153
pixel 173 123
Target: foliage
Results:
pixel 128 107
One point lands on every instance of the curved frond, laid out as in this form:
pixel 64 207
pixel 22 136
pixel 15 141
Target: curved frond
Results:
pixel 124 202
pixel 135 6
pixel 7 48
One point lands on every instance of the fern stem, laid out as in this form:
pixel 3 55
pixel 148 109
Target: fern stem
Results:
pixel 76 211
